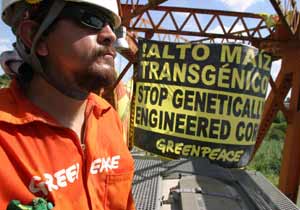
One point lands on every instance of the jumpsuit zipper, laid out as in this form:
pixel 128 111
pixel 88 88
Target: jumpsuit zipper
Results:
pixel 84 167
pixel 82 150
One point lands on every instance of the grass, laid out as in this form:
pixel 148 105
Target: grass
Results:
pixel 268 160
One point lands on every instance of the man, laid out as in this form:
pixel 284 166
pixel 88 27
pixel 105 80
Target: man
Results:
pixel 58 140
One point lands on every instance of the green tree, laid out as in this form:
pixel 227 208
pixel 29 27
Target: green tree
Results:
pixel 4 80
pixel 277 129
pixel 268 158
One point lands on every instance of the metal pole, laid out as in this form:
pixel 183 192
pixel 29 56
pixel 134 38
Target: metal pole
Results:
pixel 290 167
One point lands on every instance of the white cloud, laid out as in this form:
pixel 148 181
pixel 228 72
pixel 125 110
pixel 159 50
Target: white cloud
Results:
pixel 4 48
pixel 276 65
pixel 240 5
pixel 219 30
pixel 5 41
pixel 5 44
pixel 275 69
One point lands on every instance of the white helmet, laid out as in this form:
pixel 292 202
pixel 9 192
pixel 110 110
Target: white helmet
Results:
pixel 13 11
pixel 109 5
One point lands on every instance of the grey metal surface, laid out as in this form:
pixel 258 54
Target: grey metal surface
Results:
pixel 146 183
pixel 212 194
pixel 264 189
pixel 201 167
pixel 256 192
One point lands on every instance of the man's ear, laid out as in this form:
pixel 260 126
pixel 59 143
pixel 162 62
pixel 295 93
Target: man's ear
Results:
pixel 27 30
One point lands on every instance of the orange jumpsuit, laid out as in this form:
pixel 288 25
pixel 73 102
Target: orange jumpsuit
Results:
pixel 40 158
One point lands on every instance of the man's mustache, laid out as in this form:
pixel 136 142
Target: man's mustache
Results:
pixel 103 50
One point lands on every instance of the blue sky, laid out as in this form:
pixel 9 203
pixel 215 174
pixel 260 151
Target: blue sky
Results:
pixel 253 6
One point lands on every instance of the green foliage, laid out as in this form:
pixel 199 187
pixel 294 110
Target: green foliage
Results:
pixel 4 81
pixel 277 129
pixel 268 158
pixel 270 20
pixel 276 132
pixel 279 118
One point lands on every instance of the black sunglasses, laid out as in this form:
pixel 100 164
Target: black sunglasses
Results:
pixel 87 16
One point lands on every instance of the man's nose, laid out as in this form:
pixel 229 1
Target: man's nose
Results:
pixel 106 36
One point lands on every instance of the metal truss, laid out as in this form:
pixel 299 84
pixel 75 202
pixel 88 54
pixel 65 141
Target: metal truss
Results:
pixel 192 25
pixel 133 8
pixel 288 14
pixel 148 19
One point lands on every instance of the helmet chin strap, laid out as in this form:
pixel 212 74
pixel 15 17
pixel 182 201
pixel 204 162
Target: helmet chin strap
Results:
pixel 32 58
